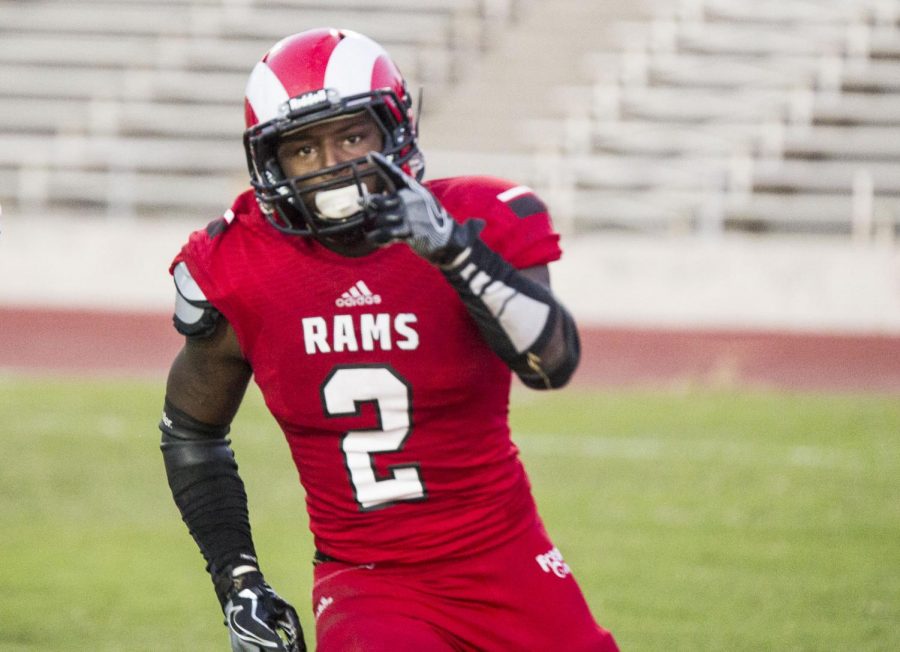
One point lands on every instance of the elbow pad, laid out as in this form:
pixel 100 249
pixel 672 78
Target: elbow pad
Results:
pixel 536 376
pixel 207 489
pixel 515 315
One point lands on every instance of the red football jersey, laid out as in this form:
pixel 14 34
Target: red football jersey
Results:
pixel 394 407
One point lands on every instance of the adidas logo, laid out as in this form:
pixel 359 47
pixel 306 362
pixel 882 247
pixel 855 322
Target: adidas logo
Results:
pixel 358 295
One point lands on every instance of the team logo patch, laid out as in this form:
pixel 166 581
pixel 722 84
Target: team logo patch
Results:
pixel 359 294
pixel 324 603
pixel 552 562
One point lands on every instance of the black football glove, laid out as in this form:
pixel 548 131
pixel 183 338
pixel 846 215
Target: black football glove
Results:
pixel 411 214
pixel 255 614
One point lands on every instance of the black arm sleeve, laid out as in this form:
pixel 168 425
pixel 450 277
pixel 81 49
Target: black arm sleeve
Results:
pixel 516 316
pixel 207 489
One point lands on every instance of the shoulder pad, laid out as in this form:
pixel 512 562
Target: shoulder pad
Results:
pixel 194 315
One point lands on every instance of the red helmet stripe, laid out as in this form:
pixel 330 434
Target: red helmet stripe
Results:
pixel 300 60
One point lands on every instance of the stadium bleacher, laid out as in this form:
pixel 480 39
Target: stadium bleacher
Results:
pixel 694 116
pixel 710 116
pixel 133 107
pixel 775 117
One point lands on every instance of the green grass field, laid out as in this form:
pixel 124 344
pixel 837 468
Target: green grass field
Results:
pixel 695 520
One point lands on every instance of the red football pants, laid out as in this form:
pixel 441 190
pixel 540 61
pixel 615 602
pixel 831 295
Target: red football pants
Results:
pixel 520 596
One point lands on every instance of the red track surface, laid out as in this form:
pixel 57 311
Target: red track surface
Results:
pixel 718 358
pixel 81 341
pixel 109 343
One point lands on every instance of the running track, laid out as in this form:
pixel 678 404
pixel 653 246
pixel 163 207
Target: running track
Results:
pixel 77 342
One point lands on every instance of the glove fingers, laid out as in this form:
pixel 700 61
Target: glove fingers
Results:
pixel 287 620
pixel 248 633
pixel 387 234
pixel 253 617
pixel 239 644
pixel 397 177
pixel 376 204
pixel 387 220
pixel 257 617
pixel 285 615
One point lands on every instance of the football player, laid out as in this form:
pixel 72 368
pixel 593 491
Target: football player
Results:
pixel 382 317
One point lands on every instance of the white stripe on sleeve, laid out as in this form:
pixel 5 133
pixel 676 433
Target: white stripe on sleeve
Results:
pixel 521 317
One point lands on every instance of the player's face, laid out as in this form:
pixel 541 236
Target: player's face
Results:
pixel 326 144
pixel 329 143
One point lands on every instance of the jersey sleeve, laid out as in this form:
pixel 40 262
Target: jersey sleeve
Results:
pixel 194 255
pixel 518 225
pixel 194 314
pixel 197 254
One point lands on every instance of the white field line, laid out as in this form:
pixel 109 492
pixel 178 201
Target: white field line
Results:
pixel 582 446
pixel 695 450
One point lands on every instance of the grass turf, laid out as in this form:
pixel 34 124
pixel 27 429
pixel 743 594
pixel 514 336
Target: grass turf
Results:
pixel 694 520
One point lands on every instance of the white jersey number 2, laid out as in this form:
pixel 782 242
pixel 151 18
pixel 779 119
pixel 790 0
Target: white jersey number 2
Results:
pixel 343 392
